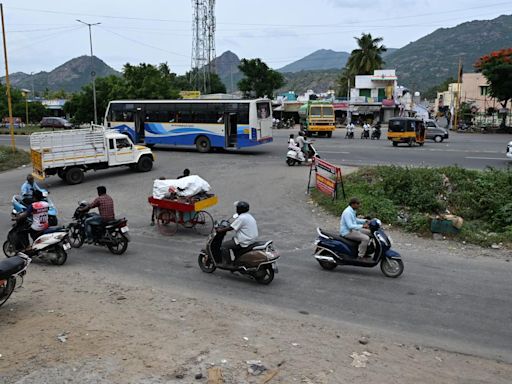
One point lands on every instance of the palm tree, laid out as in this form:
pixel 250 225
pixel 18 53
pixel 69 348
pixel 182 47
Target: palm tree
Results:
pixel 367 58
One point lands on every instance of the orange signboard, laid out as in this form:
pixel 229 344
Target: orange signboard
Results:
pixel 327 177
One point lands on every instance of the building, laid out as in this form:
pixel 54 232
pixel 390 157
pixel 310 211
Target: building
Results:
pixel 373 96
pixel 475 91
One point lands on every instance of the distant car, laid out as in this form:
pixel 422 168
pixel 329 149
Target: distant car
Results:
pixel 55 122
pixel 435 132
pixel 509 150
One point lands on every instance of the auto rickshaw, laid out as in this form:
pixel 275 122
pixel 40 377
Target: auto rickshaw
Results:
pixel 407 130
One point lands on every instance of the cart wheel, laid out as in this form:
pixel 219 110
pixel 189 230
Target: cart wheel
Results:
pixel 203 223
pixel 166 223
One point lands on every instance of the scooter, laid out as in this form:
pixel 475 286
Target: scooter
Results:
pixel 50 246
pixel 11 270
pixel 376 133
pixel 366 133
pixel 113 234
pixel 332 250
pixel 18 206
pixel 296 156
pixel 259 261
pixel 350 133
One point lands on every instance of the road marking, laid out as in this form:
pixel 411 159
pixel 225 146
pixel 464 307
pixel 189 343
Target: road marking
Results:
pixel 486 158
pixel 345 153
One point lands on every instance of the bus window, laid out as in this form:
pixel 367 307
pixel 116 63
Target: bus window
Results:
pixel 263 109
pixel 316 111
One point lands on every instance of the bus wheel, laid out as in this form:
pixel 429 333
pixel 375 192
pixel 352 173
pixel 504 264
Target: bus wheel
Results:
pixel 203 144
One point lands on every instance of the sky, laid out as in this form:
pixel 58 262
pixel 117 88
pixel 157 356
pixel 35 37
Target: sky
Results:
pixel 42 34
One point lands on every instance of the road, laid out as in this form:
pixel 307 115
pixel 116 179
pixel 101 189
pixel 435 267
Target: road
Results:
pixel 476 151
pixel 444 298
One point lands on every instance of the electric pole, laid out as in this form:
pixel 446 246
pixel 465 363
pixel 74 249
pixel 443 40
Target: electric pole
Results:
pixel 7 83
pixel 93 74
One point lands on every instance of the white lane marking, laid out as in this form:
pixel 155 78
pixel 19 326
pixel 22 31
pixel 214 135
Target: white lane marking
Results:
pixel 345 153
pixel 486 158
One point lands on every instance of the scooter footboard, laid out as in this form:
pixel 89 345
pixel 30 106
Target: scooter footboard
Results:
pixel 390 254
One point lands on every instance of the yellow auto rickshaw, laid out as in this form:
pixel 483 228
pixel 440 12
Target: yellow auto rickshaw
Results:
pixel 407 130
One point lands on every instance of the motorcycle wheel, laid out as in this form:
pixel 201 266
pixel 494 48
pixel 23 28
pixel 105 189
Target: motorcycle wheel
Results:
pixel 206 263
pixel 60 256
pixel 8 248
pixel 76 237
pixel 6 291
pixel 264 275
pixel 120 244
pixel 391 267
pixel 290 162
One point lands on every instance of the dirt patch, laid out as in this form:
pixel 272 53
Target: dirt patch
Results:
pixel 86 327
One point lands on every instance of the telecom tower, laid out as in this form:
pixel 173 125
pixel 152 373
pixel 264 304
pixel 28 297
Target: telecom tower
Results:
pixel 203 43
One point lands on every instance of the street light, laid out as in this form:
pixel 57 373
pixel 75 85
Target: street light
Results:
pixel 93 74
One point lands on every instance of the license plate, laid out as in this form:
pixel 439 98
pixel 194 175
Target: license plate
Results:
pixel 124 229
pixel 66 246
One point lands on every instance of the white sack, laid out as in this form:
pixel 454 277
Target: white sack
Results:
pixel 185 187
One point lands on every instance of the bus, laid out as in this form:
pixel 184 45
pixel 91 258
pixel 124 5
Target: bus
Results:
pixel 205 124
pixel 317 117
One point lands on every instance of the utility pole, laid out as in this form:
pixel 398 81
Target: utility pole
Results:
pixel 93 74
pixel 7 83
pixel 457 100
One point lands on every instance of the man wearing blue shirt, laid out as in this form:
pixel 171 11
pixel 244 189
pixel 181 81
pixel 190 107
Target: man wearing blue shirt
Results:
pixel 353 228
pixel 27 190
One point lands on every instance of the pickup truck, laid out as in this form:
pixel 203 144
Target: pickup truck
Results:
pixel 69 154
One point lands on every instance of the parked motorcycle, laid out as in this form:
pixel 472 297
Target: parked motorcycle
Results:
pixel 18 207
pixel 113 234
pixel 11 270
pixel 332 250
pixel 376 132
pixel 50 246
pixel 297 156
pixel 258 262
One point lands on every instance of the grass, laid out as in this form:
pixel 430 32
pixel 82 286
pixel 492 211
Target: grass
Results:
pixel 411 197
pixel 10 160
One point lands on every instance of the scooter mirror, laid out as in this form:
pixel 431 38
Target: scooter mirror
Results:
pixel 235 216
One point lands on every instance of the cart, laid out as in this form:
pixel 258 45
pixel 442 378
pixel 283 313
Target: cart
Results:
pixel 189 214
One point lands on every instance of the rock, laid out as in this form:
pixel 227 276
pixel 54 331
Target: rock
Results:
pixel 63 337
pixel 121 298
pixel 496 246
pixel 363 340
pixel 255 368
pixel 360 360
pixel 198 376
pixel 179 376
pixel 245 338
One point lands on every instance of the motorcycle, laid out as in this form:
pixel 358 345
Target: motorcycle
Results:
pixel 366 133
pixel 296 156
pixel 50 246
pixel 18 207
pixel 332 250
pixel 11 270
pixel 350 133
pixel 376 133
pixel 113 234
pixel 259 261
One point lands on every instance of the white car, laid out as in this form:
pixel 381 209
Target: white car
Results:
pixel 509 150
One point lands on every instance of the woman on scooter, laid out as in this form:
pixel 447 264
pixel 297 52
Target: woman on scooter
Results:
pixel 353 228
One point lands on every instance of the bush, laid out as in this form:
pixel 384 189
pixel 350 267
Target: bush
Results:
pixel 9 160
pixel 409 197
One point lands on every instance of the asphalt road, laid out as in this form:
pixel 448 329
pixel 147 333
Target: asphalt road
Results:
pixel 476 151
pixel 444 300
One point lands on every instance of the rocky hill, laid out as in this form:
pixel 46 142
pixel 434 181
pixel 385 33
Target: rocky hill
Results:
pixel 318 60
pixel 226 66
pixel 433 58
pixel 70 76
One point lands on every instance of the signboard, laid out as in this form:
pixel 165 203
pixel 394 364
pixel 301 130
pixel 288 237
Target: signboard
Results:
pixel 327 178
pixel 190 94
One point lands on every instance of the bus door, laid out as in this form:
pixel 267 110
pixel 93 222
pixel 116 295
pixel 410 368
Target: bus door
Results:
pixel 139 125
pixel 231 129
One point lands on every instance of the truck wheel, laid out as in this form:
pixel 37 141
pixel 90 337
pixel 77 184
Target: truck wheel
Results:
pixel 74 176
pixel 145 164
pixel 203 144
pixel 329 134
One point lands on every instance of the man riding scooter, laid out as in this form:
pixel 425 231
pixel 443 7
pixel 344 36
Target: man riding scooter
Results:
pixel 39 212
pixel 246 231
pixel 303 144
pixel 353 228
pixel 27 190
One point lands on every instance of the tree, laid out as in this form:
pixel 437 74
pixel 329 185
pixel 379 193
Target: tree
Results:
pixel 259 80
pixel 362 61
pixel 497 69
pixel 215 86
pixel 36 110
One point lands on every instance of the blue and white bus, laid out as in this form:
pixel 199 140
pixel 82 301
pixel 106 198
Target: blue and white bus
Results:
pixel 207 124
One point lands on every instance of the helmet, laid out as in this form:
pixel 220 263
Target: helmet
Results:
pixel 241 207
pixel 82 204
